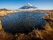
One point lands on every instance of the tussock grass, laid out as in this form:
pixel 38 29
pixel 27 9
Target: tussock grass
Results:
pixel 36 34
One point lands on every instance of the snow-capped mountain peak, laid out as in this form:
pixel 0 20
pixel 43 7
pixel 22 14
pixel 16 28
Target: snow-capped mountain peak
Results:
pixel 29 4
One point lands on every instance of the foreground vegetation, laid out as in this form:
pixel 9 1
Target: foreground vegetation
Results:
pixel 36 34
pixel 46 34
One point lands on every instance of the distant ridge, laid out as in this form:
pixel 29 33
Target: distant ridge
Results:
pixel 3 9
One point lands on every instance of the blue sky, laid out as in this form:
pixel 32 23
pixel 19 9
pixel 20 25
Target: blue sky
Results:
pixel 15 4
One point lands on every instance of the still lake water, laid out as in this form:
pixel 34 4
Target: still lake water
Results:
pixel 23 21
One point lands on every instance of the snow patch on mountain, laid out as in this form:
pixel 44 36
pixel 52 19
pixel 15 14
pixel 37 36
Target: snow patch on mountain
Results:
pixel 28 6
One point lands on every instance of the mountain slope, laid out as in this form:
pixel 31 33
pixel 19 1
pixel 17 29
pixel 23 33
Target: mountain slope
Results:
pixel 28 6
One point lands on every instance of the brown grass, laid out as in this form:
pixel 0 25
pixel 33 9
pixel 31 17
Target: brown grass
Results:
pixel 46 34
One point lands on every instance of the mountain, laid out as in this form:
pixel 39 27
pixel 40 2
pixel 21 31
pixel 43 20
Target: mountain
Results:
pixel 28 6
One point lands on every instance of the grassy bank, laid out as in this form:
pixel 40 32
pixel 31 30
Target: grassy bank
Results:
pixel 4 13
pixel 46 34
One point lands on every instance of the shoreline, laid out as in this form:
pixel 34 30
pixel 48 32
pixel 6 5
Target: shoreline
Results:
pixel 46 34
pixel 4 13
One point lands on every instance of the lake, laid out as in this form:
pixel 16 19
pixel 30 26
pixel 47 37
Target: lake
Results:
pixel 23 22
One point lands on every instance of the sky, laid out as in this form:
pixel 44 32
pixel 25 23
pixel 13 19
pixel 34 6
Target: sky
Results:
pixel 16 4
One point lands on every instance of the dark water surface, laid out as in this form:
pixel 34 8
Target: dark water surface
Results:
pixel 23 21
